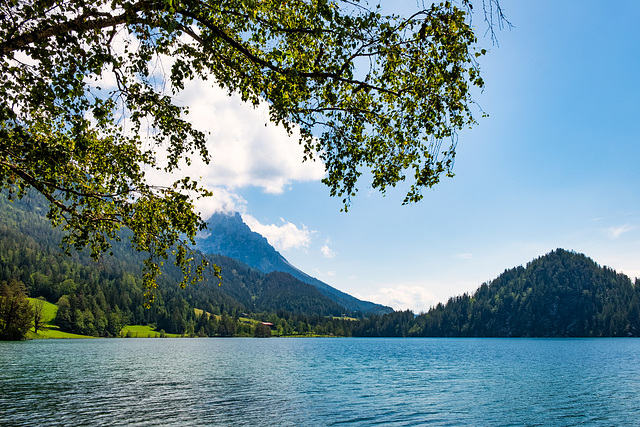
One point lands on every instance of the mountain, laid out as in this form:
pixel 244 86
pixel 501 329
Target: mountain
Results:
pixel 561 294
pixel 266 292
pixel 98 298
pixel 228 235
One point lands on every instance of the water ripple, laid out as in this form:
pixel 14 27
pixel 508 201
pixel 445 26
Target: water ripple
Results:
pixel 319 382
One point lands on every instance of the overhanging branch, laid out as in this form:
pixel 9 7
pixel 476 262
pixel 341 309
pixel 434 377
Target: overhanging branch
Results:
pixel 87 21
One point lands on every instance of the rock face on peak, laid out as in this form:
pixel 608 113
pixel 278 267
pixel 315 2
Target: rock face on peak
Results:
pixel 228 235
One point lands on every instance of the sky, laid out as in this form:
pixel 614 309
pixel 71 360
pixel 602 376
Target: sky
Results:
pixel 556 164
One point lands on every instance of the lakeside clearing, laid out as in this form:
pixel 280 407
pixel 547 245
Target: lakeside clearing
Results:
pixel 52 331
pixel 139 331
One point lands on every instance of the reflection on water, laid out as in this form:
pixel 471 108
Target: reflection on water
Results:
pixel 320 382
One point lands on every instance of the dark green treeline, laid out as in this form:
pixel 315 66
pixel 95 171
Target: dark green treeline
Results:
pixel 98 299
pixel 562 294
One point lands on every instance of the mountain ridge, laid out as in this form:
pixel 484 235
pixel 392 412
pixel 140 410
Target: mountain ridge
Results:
pixel 99 298
pixel 230 236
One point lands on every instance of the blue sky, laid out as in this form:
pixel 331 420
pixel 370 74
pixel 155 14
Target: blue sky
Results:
pixel 556 164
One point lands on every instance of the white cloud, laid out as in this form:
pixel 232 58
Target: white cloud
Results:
pixel 465 255
pixel 322 275
pixel 615 232
pixel 221 201
pixel 403 297
pixel 246 148
pixel 281 237
pixel 327 252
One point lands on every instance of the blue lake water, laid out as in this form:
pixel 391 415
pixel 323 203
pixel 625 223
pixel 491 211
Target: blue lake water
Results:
pixel 320 382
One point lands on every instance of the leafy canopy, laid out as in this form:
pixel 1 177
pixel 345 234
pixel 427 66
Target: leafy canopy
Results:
pixel 87 102
pixel 16 313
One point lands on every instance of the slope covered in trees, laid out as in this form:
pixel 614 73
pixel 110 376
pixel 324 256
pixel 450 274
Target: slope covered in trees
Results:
pixel 99 298
pixel 230 236
pixel 562 294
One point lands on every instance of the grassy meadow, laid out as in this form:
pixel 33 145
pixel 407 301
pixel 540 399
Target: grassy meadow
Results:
pixel 50 330
pixel 139 331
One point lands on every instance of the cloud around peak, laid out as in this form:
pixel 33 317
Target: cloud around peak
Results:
pixel 282 237
pixel 246 150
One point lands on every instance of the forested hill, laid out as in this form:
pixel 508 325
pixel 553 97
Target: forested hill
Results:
pixel 98 298
pixel 561 294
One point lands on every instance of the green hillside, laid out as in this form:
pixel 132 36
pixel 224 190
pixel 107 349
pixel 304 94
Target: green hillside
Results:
pixel 561 294
pixel 100 298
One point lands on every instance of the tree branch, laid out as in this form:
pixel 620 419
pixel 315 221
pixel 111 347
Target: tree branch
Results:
pixel 266 64
pixel 80 24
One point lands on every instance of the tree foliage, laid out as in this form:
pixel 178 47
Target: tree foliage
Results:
pixel 16 313
pixel 38 314
pixel 562 294
pixel 87 102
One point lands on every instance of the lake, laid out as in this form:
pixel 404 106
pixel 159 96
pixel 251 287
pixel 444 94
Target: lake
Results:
pixel 320 382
